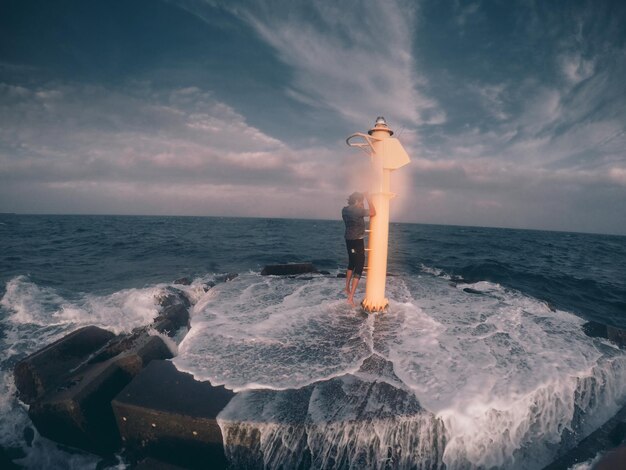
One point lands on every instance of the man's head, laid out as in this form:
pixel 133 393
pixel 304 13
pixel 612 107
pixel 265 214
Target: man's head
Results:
pixel 355 198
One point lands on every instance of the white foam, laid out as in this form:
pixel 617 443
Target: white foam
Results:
pixel 502 370
pixel 434 271
pixel 504 373
pixel 30 304
pixel 269 332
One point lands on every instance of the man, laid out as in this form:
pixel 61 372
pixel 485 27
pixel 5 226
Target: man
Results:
pixel 353 216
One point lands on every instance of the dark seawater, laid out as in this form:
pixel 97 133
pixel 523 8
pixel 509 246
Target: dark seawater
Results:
pixel 581 273
pixel 491 377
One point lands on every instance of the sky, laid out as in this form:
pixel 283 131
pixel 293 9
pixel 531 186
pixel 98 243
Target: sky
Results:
pixel 513 112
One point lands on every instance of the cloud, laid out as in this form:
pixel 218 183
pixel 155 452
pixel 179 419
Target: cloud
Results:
pixel 126 143
pixel 575 68
pixel 354 58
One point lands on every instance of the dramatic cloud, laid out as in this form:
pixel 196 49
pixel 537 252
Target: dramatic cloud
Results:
pixel 513 116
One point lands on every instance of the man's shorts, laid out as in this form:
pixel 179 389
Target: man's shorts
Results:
pixel 356 256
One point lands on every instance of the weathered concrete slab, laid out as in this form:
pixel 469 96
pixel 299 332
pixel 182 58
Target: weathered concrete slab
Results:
pixel 167 414
pixel 288 269
pixel 42 370
pixel 78 412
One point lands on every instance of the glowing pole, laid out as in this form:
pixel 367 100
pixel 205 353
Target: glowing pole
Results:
pixel 386 154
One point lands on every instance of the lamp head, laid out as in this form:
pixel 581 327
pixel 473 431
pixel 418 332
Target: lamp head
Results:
pixel 380 125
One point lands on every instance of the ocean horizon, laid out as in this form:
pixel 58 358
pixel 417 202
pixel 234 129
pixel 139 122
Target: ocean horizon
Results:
pixel 504 227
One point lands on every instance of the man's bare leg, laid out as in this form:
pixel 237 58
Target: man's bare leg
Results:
pixel 348 278
pixel 355 283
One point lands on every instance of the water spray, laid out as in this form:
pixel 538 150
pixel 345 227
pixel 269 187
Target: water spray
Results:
pixel 386 155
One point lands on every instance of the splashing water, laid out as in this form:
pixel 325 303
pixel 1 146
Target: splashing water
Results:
pixel 470 376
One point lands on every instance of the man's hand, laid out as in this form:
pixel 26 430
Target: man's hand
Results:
pixel 369 203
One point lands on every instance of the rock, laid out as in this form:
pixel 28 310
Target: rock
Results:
pixel 225 277
pixel 185 281
pixel 288 269
pixel 42 370
pixel 325 273
pixel 166 414
pixel 341 275
pixel 174 312
pixel 78 412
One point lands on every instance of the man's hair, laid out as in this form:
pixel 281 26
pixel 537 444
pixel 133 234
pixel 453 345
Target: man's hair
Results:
pixel 355 197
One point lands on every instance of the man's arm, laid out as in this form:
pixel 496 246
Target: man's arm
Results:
pixel 370 205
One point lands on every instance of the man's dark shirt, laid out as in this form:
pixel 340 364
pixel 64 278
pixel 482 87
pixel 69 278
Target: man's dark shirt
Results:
pixel 355 224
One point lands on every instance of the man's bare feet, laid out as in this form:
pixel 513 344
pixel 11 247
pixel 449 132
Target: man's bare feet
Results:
pixel 351 301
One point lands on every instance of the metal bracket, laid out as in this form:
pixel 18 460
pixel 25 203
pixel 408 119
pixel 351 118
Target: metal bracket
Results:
pixel 363 145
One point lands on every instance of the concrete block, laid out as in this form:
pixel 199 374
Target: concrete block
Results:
pixel 78 412
pixel 44 369
pixel 288 269
pixel 166 414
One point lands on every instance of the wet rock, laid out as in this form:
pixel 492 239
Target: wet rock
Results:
pixel 42 370
pixel 174 312
pixel 185 281
pixel 288 269
pixel 225 277
pixel 325 273
pixel 78 412
pixel 166 414
pixel 341 275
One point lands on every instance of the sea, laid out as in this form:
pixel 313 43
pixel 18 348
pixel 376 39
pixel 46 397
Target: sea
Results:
pixel 480 362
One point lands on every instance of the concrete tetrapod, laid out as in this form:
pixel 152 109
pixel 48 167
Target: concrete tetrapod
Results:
pixel 166 414
pixel 45 369
pixel 78 412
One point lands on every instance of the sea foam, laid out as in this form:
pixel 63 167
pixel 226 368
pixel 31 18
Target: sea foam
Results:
pixel 511 381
